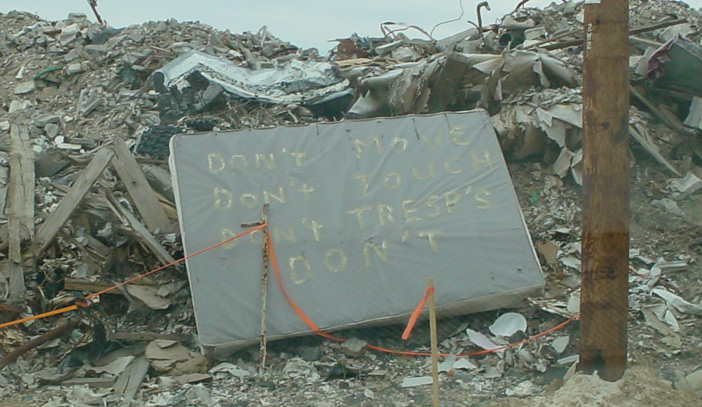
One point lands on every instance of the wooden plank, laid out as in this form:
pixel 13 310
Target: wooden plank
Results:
pixel 21 206
pixel 139 189
pixel 146 336
pixel 94 382
pixel 130 380
pixel 68 204
pixel 77 284
pixel 138 231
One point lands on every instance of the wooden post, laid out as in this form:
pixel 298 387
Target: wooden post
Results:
pixel 264 288
pixel 263 350
pixel 434 343
pixel 605 235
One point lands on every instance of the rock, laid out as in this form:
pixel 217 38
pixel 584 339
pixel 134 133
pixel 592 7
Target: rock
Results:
pixel 88 102
pixel 72 69
pixel 311 354
pixel 25 87
pixel 45 119
pixel 354 347
pixel 668 205
pixel 51 130
pixel 95 49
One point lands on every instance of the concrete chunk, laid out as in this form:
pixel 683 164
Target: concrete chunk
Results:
pixel 25 87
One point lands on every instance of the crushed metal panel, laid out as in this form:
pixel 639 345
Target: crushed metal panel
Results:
pixel 361 213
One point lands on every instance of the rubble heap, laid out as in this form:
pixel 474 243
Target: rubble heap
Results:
pixel 86 112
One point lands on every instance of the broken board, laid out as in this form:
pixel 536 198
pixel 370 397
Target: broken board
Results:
pixel 361 213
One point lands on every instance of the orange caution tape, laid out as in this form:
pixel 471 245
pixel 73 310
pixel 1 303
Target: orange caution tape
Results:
pixel 311 325
pixel 93 295
pixel 301 314
pixel 415 314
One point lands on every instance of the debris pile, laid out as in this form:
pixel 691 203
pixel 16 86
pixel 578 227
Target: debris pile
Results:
pixel 86 112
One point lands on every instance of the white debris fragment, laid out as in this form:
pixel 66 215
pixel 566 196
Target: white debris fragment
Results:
pixel 523 389
pixel 508 324
pixel 447 364
pixel 481 340
pixel 231 369
pixel 464 364
pixel 416 381
pixel 685 186
pixel 574 303
pixel 560 344
pixel 677 302
pixel 668 205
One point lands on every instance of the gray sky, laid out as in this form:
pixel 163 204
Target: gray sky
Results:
pixel 306 23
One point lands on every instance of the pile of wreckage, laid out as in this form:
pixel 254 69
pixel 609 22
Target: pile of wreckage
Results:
pixel 87 201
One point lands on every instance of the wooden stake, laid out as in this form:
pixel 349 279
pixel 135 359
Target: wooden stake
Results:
pixel 264 289
pixel 434 343
pixel 605 234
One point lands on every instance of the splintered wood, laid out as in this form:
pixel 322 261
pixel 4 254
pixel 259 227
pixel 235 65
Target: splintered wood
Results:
pixel 20 206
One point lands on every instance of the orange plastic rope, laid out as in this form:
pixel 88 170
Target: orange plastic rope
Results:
pixel 93 295
pixel 415 314
pixel 301 314
pixel 311 325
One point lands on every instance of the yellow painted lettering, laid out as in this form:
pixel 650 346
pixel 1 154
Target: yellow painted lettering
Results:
pixel 435 141
pixel 358 145
pixel 380 250
pixel 227 234
pixel 314 226
pixel 249 200
pixel 431 172
pixel 280 234
pixel 398 145
pixel 406 210
pixel 268 195
pixel 268 162
pixel 295 275
pixel 238 162
pixel 430 235
pixel 457 135
pixel 433 202
pixel 215 162
pixel 451 198
pixel 452 169
pixel 359 215
pixel 223 198
pixel 482 197
pixel 393 180
pixel 385 214
pixel 478 162
pixel 305 190
pixel 298 156
pixel 364 182
pixel 340 263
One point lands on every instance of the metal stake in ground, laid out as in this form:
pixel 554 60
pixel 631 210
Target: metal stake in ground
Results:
pixel 605 235
pixel 264 287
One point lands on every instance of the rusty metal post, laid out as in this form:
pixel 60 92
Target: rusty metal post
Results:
pixel 605 234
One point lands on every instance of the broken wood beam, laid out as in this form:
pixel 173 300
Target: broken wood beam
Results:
pixel 146 336
pixel 130 380
pixel 68 204
pixel 20 206
pixel 77 284
pixel 39 340
pixel 139 189
pixel 133 227
pixel 664 117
